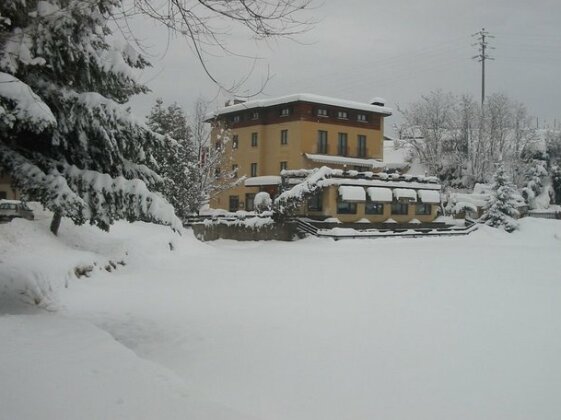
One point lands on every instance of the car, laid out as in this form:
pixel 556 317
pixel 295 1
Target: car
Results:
pixel 11 209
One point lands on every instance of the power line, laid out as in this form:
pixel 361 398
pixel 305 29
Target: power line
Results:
pixel 482 37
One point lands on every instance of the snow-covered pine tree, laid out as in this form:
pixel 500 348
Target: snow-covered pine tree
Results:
pixel 177 158
pixel 501 208
pixel 536 173
pixel 66 138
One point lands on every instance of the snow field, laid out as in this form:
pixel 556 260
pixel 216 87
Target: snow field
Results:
pixel 432 328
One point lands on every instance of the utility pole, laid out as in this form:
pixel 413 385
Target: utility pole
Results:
pixel 482 37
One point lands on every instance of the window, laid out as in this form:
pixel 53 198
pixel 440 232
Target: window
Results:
pixel 361 145
pixel 217 145
pixel 235 141
pixel 249 202
pixel 254 169
pixel 400 208
pixel 342 115
pixel 342 144
pixel 236 118
pixel 285 112
pixel 255 116
pixel 322 142
pixel 283 165
pixel 253 139
pixel 322 112
pixel 3 195
pixel 234 203
pixel 361 118
pixel 284 137
pixel 423 209
pixel 216 172
pixel 315 202
pixel 346 207
pixel 373 207
pixel 235 168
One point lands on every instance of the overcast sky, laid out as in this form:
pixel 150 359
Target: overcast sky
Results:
pixel 359 49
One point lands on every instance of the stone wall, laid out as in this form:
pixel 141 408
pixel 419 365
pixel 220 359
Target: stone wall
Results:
pixel 239 232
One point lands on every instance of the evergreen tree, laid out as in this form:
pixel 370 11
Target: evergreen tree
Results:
pixel 536 173
pixel 66 138
pixel 501 208
pixel 178 158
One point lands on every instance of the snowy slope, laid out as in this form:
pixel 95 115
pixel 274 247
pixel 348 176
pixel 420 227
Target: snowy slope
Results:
pixel 433 328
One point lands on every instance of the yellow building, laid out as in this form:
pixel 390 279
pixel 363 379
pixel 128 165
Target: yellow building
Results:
pixel 304 131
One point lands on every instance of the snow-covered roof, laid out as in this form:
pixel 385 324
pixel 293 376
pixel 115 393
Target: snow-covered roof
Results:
pixel 304 97
pixel 349 193
pixel 344 160
pixel 262 180
pixel 378 183
pixel 429 196
pixel 380 194
pixel 405 193
pixel 369 175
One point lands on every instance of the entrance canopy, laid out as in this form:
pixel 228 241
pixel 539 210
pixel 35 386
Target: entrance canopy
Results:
pixel 258 181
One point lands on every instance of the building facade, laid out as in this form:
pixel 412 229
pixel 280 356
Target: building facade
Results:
pixel 282 136
pixel 296 132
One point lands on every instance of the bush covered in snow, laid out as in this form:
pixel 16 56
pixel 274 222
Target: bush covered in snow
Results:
pixel 263 202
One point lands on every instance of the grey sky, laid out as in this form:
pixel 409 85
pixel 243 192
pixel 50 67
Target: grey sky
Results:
pixel 399 50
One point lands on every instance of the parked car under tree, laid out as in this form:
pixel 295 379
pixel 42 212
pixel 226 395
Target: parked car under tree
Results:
pixel 11 209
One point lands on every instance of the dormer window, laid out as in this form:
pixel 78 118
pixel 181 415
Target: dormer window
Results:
pixel 342 115
pixel 285 112
pixel 255 116
pixel 322 112
pixel 361 118
pixel 236 118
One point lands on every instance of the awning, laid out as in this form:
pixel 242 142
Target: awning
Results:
pixel 380 194
pixel 429 196
pixel 349 193
pixel 405 194
pixel 257 181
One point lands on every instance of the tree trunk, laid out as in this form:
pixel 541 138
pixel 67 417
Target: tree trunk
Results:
pixel 55 223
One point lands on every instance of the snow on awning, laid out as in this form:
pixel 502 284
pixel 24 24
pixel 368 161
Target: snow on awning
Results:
pixel 429 196
pixel 380 194
pixel 262 180
pixel 349 193
pixel 405 194
pixel 345 160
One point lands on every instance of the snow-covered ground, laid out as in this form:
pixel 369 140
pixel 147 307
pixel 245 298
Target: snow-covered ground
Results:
pixel 431 328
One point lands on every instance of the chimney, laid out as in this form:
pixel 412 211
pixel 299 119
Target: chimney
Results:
pixel 378 101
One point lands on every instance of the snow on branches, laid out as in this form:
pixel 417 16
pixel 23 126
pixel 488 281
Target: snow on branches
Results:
pixel 67 138
pixel 292 198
